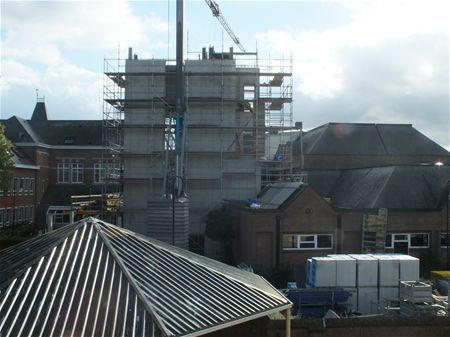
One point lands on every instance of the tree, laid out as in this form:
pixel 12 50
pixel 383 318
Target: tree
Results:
pixel 5 159
pixel 219 227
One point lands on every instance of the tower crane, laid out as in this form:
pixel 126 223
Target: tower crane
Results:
pixel 215 9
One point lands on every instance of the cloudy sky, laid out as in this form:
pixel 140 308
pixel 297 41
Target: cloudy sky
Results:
pixel 383 61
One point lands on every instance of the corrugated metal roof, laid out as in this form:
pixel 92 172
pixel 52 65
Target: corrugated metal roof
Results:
pixel 93 278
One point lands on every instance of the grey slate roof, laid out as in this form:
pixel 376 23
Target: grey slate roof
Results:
pixel 93 278
pixel 394 187
pixel 368 139
pixel 19 159
pixel 53 132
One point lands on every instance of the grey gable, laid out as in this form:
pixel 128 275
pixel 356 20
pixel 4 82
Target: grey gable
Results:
pixel 93 278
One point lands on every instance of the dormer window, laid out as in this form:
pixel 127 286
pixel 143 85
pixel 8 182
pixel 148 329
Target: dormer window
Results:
pixel 69 140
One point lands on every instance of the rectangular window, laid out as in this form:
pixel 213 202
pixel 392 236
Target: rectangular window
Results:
pixel 77 173
pixel 414 240
pixel 98 173
pixel 307 241
pixel 445 239
pixel 2 212
pixel 70 173
pixel 63 173
pixel 32 186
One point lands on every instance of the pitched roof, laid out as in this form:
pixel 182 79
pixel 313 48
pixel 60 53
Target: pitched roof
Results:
pixel 394 187
pixel 369 139
pixel 53 132
pixel 19 130
pixel 93 278
pixel 70 132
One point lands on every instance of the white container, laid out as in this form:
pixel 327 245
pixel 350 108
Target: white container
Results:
pixel 366 270
pixel 345 270
pixel 388 294
pixel 323 272
pixel 368 300
pixel 409 268
pixel 353 299
pixel 388 270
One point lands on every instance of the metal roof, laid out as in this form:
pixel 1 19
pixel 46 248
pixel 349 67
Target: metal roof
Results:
pixel 93 278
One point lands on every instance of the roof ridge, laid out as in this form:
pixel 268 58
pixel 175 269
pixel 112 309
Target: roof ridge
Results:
pixel 381 139
pixel 384 185
pixel 148 306
pixel 325 127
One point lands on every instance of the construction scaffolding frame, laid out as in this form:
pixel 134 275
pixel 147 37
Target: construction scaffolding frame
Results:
pixel 239 127
pixel 111 164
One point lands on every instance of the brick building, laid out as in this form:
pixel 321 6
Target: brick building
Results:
pixel 66 154
pixel 352 171
pixel 18 201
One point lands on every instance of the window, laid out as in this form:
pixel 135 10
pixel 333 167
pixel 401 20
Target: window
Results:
pixel 63 173
pixel 414 240
pixel 97 173
pixel 445 239
pixel 70 173
pixel 307 241
pixel 2 217
pixel 77 173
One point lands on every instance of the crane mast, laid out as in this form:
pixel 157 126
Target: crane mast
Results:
pixel 215 9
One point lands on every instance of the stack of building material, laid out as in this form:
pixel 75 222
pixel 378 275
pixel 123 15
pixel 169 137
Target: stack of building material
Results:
pixel 322 272
pixel 388 277
pixel 366 283
pixel 372 279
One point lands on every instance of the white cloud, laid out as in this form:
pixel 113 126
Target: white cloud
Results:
pixel 40 39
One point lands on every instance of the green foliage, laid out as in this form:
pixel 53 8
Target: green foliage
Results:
pixel 5 159
pixel 219 226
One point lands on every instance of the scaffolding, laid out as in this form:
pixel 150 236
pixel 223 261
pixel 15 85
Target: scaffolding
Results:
pixel 111 164
pixel 239 128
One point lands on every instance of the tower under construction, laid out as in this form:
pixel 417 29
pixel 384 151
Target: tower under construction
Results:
pixel 237 123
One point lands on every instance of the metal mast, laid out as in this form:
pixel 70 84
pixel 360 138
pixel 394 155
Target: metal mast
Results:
pixel 180 106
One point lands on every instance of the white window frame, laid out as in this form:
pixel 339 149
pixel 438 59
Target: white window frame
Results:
pixel 407 240
pixel 442 236
pixel 98 173
pixel 63 173
pixel 76 173
pixel 301 239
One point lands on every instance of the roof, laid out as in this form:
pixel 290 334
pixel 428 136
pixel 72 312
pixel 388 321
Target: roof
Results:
pixel 276 194
pixel 93 278
pixel 53 132
pixel 394 187
pixel 20 160
pixel 369 139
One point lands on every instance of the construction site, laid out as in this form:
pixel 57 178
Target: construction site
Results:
pixel 238 111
